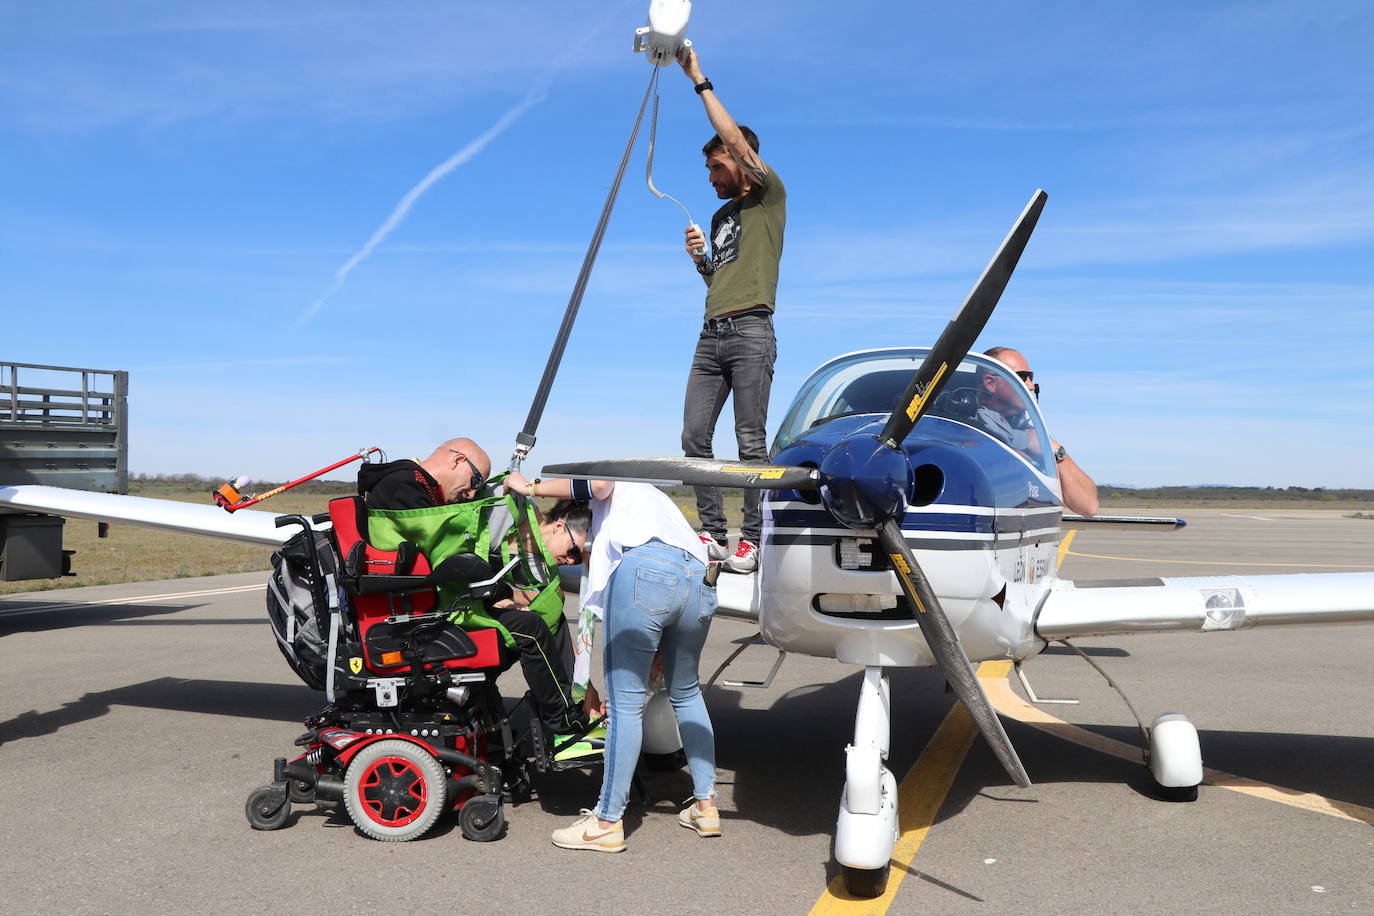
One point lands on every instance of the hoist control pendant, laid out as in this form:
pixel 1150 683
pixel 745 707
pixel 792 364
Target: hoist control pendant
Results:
pixel 666 32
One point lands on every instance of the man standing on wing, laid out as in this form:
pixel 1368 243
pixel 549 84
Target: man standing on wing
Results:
pixel 737 348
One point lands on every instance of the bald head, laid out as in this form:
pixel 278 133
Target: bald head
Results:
pixel 1002 394
pixel 1010 358
pixel 455 464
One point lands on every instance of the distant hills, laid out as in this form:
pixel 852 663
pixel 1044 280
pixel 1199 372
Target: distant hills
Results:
pixel 1232 493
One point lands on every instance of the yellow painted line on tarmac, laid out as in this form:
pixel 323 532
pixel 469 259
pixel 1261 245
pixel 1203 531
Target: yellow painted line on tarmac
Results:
pixel 1099 556
pixel 1064 547
pixel 1009 704
pixel 919 797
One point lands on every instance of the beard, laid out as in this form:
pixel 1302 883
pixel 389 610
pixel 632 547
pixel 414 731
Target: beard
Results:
pixel 729 190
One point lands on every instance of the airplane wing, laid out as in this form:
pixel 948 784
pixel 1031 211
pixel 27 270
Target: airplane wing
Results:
pixel 1204 604
pixel 246 525
pixel 738 594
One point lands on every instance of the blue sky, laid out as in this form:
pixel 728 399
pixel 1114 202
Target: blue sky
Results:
pixel 181 185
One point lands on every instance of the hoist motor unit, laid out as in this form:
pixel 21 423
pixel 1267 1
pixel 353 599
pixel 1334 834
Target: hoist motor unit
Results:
pixel 665 34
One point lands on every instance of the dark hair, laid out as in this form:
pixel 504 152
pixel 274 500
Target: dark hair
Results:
pixel 577 516
pixel 716 142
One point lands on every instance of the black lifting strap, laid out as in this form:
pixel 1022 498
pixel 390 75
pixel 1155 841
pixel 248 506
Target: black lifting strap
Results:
pixel 525 440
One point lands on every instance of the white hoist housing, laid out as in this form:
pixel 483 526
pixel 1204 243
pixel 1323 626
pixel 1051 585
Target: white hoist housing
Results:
pixel 666 31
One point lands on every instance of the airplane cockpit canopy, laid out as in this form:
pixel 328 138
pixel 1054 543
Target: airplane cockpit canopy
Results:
pixel 872 382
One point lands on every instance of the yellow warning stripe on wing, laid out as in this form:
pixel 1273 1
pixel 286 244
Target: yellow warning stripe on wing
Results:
pixel 914 408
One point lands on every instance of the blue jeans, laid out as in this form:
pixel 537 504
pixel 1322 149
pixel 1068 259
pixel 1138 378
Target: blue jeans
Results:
pixel 733 354
pixel 656 602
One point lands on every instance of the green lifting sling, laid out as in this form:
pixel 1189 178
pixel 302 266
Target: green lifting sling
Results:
pixel 443 531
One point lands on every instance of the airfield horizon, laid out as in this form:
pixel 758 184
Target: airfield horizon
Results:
pixel 131 554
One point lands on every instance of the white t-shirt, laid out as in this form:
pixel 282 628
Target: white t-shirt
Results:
pixel 633 514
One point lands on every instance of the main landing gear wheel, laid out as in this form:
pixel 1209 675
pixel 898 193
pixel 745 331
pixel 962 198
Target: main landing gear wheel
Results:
pixel 267 808
pixel 866 882
pixel 394 790
pixel 482 819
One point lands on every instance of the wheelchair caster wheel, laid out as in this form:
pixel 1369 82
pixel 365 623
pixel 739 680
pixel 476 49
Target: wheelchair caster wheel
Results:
pixel 482 819
pixel 299 792
pixel 267 808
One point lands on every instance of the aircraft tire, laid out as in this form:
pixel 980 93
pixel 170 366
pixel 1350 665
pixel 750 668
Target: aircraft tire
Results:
pixel 866 882
pixel 1178 793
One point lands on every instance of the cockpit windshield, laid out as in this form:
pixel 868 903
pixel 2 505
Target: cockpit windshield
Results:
pixel 980 393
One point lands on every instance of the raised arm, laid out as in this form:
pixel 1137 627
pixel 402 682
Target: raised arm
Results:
pixel 724 124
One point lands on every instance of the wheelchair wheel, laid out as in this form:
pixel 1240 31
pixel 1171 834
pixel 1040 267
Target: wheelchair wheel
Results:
pixel 267 808
pixel 394 790
pixel 482 819
pixel 300 792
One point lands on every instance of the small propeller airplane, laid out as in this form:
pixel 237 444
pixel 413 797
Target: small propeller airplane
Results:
pixel 900 531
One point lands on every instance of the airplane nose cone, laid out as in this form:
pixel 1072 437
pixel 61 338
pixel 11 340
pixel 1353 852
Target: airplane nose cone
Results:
pixel 863 481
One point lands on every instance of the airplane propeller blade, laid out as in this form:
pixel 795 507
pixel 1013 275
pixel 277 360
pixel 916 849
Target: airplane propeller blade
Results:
pixel 944 643
pixel 697 472
pixel 963 329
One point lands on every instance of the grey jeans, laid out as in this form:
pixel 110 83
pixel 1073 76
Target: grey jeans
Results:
pixel 733 354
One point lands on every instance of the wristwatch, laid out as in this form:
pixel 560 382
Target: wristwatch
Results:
pixel 1060 454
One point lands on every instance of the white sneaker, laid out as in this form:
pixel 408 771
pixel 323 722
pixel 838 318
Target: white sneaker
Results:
pixel 746 558
pixel 705 823
pixel 586 833
pixel 716 550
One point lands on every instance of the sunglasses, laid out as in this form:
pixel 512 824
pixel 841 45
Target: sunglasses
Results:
pixel 1025 375
pixel 574 552
pixel 477 477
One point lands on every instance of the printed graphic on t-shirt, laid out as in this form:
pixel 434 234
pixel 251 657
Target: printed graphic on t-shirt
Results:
pixel 725 242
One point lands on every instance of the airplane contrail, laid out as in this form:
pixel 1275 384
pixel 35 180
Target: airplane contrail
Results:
pixel 536 95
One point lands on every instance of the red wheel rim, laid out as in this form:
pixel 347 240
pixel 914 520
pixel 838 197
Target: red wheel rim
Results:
pixel 393 791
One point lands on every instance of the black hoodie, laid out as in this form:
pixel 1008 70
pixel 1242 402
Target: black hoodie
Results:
pixel 398 485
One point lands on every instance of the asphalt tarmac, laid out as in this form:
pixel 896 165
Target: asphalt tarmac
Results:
pixel 137 718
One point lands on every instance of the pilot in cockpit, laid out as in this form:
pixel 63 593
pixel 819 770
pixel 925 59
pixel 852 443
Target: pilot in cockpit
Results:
pixel 1003 412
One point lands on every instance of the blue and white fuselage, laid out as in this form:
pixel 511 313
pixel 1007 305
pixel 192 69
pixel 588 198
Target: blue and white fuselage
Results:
pixel 981 516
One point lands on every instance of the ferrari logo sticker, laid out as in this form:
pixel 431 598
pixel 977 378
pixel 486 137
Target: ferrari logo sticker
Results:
pixel 355 665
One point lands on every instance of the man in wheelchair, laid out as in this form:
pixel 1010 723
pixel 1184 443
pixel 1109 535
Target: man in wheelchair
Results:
pixel 528 605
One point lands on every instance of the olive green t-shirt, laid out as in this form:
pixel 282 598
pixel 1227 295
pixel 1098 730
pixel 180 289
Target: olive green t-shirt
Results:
pixel 746 245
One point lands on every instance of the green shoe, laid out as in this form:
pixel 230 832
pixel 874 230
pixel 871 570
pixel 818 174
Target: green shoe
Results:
pixel 583 747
